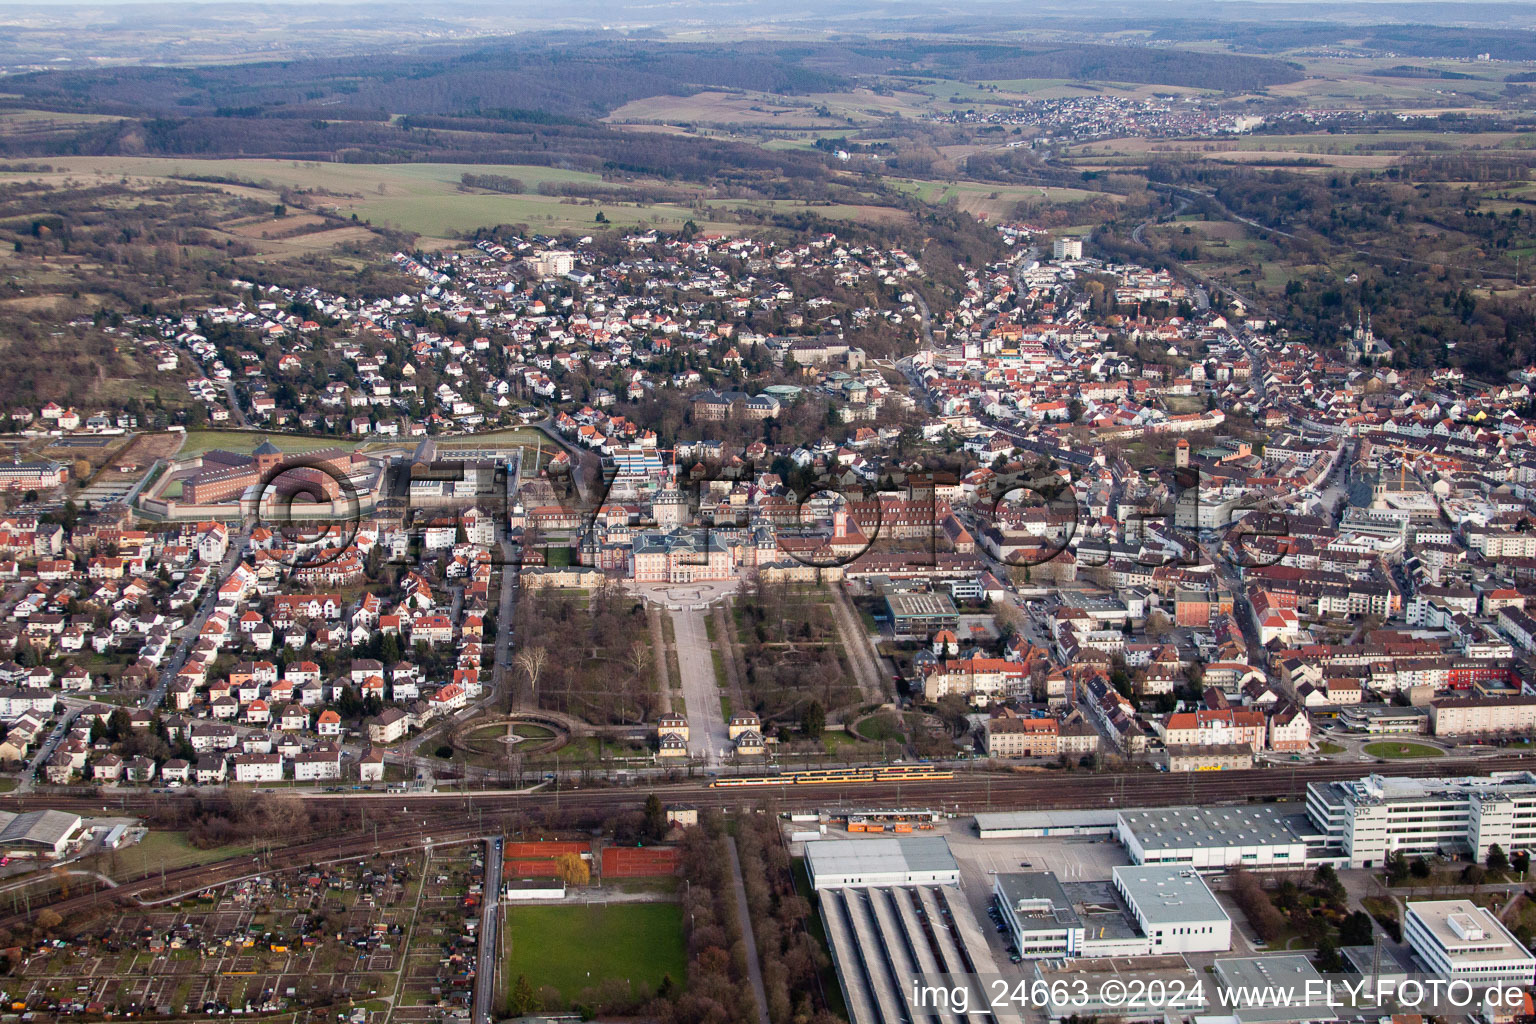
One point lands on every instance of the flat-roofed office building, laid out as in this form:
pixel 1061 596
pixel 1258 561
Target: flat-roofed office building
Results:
pixel 1371 817
pixel 1175 909
pixel 1459 939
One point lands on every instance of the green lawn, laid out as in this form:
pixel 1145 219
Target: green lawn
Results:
pixel 837 743
pixel 573 947
pixel 506 435
pixel 1324 747
pixel 169 850
pixel 1398 749
pixel 881 728
pixel 588 750
pixel 242 441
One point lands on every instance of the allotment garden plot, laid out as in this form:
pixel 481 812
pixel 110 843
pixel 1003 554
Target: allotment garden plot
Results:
pixel 325 939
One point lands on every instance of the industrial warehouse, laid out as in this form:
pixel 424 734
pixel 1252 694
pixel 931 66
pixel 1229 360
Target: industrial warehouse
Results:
pixel 1141 911
pixel 901 860
pixel 1353 823
pixel 893 912
pixel 45 834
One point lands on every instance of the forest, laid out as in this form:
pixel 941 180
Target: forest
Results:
pixel 1086 61
pixel 1428 256
pixel 577 77
pixel 581 77
pixel 1254 33
pixel 534 99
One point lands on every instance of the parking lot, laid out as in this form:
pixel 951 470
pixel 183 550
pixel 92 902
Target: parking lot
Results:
pixel 1072 860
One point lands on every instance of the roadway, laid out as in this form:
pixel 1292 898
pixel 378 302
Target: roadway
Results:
pixel 194 629
pixel 234 406
pixel 490 921
pixel 45 751
pixel 925 318
pixel 511 565
pixel 743 912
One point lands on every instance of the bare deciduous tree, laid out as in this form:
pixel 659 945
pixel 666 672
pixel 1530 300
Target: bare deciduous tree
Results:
pixel 531 660
pixel 640 659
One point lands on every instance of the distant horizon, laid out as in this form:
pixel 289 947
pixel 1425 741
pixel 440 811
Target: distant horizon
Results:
pixel 429 4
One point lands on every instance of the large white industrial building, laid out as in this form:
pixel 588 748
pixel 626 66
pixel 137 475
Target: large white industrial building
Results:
pixel 1215 838
pixel 1174 909
pixel 1159 910
pixel 1371 817
pixel 1354 823
pixel 881 901
pixel 47 834
pixel 1038 915
pixel 900 860
pixel 1459 939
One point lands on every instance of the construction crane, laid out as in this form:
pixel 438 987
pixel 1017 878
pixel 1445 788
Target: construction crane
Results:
pixel 1405 455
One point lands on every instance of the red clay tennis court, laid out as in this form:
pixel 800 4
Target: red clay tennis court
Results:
pixel 640 861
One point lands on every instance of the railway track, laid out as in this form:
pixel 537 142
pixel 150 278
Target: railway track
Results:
pixel 198 877
pixel 967 791
pixel 396 820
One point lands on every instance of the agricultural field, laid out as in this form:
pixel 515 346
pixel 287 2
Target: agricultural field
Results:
pixel 1358 82
pixel 997 202
pixel 20 121
pixel 746 109
pixel 721 108
pixel 574 947
pixel 423 198
pixel 36 126
pixel 1321 150
pixel 835 211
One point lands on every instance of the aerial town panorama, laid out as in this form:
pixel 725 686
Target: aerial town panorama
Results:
pixel 754 514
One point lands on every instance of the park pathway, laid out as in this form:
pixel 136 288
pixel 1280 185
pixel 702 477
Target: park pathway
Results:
pixel 707 736
pixel 660 653
pixel 754 967
pixel 734 661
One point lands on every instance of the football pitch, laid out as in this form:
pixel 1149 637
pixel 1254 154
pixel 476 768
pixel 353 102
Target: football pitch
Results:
pixel 573 947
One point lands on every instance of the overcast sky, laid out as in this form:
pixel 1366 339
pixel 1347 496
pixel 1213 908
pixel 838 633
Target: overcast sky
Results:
pixel 428 4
